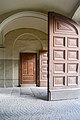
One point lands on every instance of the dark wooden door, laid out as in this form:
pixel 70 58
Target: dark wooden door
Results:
pixel 28 68
pixel 64 58
pixel 43 68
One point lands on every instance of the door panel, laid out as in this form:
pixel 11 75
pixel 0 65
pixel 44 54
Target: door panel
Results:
pixel 43 68
pixel 28 68
pixel 64 58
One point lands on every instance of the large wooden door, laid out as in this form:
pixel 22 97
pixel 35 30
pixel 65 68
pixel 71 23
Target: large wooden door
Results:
pixel 43 68
pixel 64 58
pixel 28 68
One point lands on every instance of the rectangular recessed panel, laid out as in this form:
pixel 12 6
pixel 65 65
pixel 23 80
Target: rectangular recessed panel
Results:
pixel 44 76
pixel 25 78
pixel 44 55
pixel 59 68
pixel 72 42
pixel 72 55
pixel 44 69
pixel 59 55
pixel 72 67
pixel 44 64
pixel 58 81
pixel 65 94
pixel 30 68
pixel 59 41
pixel 72 80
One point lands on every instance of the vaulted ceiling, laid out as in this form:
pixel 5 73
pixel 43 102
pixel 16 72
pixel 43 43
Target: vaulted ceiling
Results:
pixel 68 8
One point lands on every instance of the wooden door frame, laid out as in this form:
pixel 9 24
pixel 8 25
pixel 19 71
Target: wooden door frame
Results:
pixel 20 69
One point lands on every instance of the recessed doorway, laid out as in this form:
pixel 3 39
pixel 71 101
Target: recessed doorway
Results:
pixel 28 68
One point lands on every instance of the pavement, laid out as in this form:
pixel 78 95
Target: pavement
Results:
pixel 30 103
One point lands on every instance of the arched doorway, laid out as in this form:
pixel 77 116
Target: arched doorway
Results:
pixel 28 45
pixel 25 41
pixel 35 26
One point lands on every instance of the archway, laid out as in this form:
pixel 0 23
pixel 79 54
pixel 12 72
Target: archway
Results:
pixel 36 22
pixel 27 45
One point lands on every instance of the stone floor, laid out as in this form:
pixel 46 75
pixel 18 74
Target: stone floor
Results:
pixel 31 104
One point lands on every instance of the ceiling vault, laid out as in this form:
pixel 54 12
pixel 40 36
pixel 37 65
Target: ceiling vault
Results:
pixel 74 9
pixel 69 8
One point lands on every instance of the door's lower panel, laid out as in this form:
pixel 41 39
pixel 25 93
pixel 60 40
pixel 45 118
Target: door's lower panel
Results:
pixel 43 83
pixel 65 94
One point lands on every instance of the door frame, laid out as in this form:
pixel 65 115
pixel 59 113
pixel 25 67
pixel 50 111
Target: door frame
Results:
pixel 20 68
